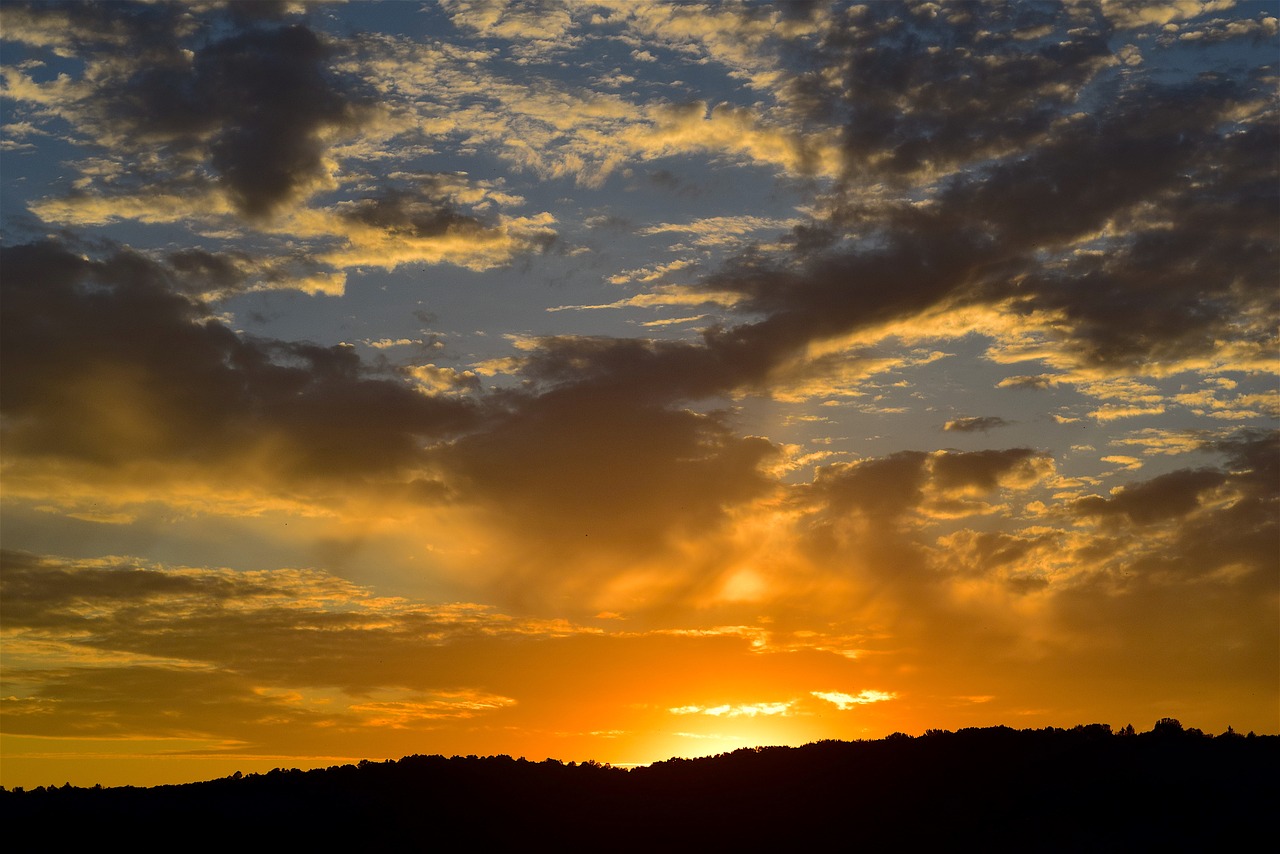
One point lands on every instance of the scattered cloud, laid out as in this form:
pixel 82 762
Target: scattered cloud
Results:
pixel 980 424
pixel 727 710
pixel 844 701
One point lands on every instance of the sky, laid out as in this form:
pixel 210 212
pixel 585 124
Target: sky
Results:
pixel 620 379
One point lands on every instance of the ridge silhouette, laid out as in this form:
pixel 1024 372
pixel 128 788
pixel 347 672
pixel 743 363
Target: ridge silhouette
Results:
pixel 1079 789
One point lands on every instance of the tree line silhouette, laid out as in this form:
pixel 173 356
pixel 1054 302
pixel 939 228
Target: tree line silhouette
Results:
pixel 1081 789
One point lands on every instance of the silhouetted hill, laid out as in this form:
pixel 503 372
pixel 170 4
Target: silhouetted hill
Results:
pixel 1083 789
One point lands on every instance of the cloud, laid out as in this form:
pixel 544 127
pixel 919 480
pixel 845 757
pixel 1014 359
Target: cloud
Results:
pixel 1134 13
pixel 925 90
pixel 579 478
pixel 926 258
pixel 1125 462
pixel 750 42
pixel 426 223
pixel 712 231
pixel 887 264
pixel 302 661
pixel 542 21
pixel 728 710
pixel 888 488
pixel 1218 30
pixel 843 701
pixel 1167 496
pixel 216 275
pixel 556 130
pixel 106 363
pixel 1164 442
pixel 327 628
pixel 258 107
pixel 194 652
pixel 405 713
pixel 1148 302
pixel 245 130
pixel 663 296
pixel 922 257
pixel 976 424
pixel 1185 492
pixel 1140 557
pixel 67 28
pixel 275 105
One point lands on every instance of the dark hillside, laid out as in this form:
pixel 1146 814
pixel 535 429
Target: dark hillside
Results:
pixel 1083 789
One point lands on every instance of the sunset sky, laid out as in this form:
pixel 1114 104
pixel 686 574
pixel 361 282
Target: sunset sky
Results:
pixel 622 379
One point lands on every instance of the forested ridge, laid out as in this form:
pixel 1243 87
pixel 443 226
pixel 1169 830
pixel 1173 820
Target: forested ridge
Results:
pixel 1085 788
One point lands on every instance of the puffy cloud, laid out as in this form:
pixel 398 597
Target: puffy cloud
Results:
pixel 1135 13
pixel 1219 30
pixel 259 107
pixel 538 21
pixel 273 106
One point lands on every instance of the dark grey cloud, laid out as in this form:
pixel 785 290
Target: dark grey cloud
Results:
pixel 585 469
pixel 271 96
pixel 977 424
pixel 981 469
pixel 1199 259
pixel 105 360
pixel 425 210
pixel 928 87
pixel 611 222
pixel 889 487
pixel 1168 496
pixel 1251 476
pixel 1187 191
pixel 251 99
pixel 921 87
pixel 208 271
pixel 886 487
pixel 203 274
